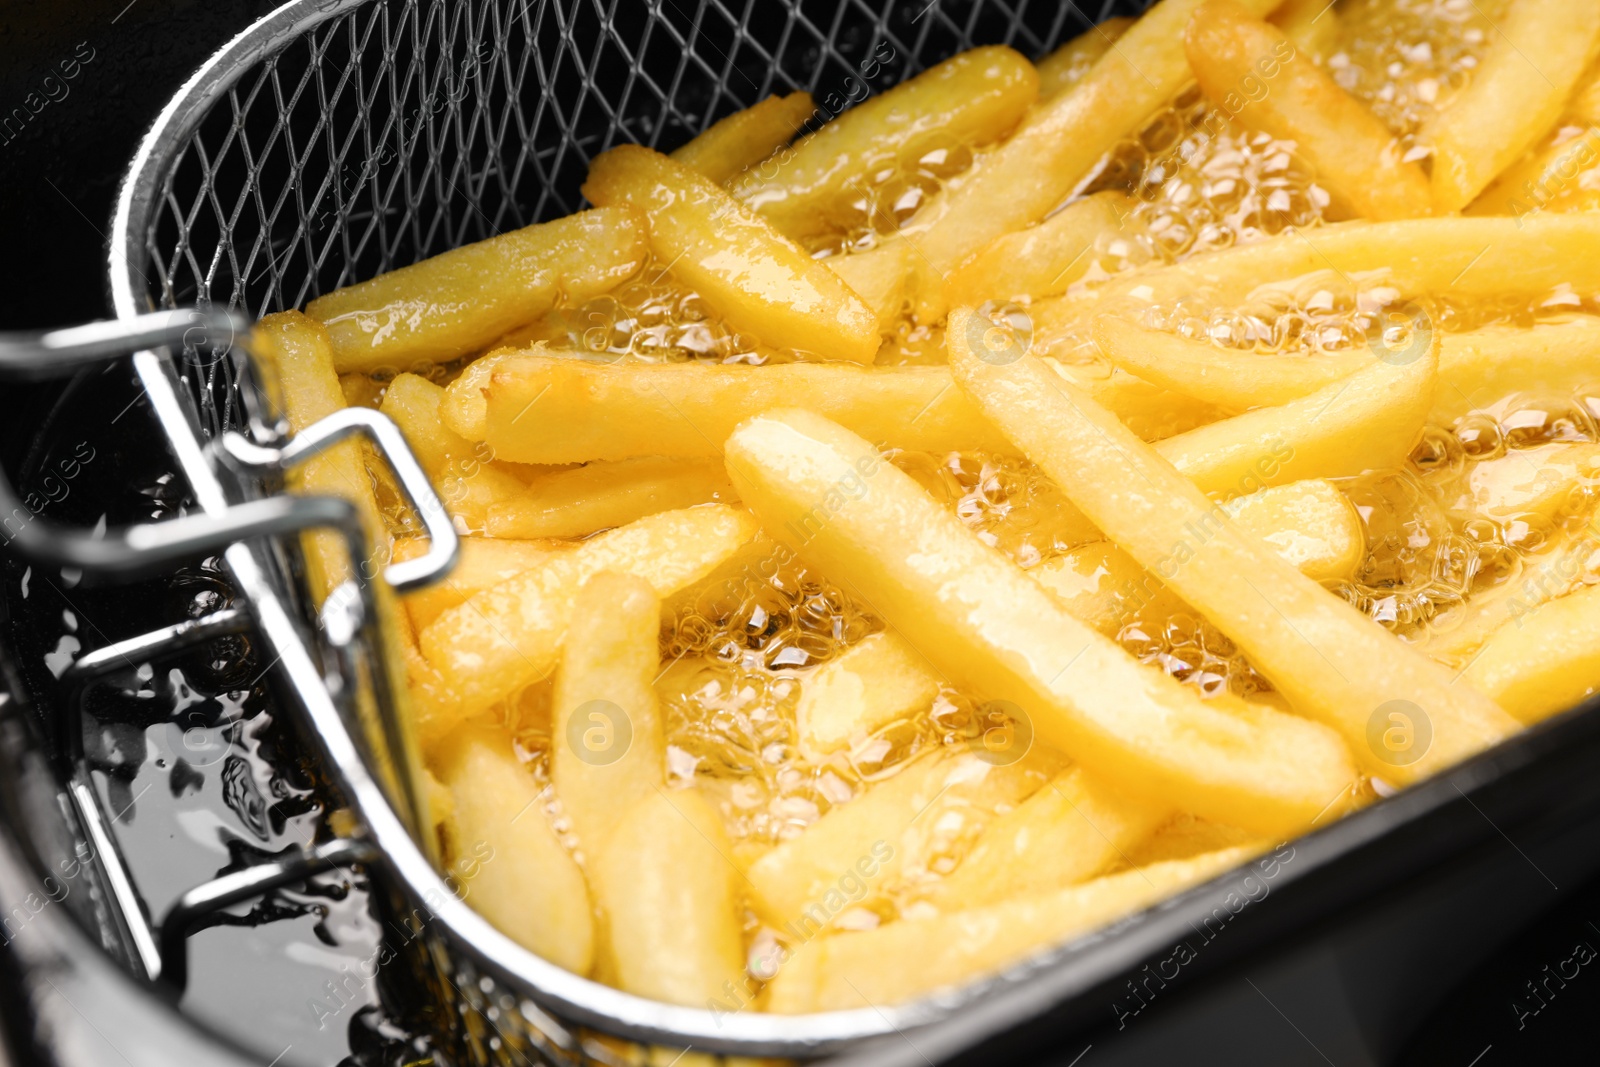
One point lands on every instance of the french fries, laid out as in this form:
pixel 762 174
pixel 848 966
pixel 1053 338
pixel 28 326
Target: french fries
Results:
pixel 457 302
pixel 1043 260
pixel 300 350
pixel 1071 830
pixel 735 144
pixel 1569 558
pixel 597 496
pixel 864 647
pixel 970 99
pixel 550 409
pixel 1103 587
pixel 1536 56
pixel 1069 64
pixel 1467 259
pixel 469 485
pixel 463 409
pixel 607 749
pixel 878 680
pixel 505 637
pixel 1055 147
pixel 760 282
pixel 796 887
pixel 1233 381
pixel 503 849
pixel 917 956
pixel 1545 661
pixel 1476 368
pixel 1310 524
pixel 1313 25
pixel 1551 178
pixel 1251 70
pixel 484 563
pixel 1542 484
pixel 1480 367
pixel 1330 661
pixel 1369 421
pixel 667 889
pixel 987 628
pixel 879 278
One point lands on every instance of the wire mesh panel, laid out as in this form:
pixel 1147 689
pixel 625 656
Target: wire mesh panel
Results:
pixel 398 130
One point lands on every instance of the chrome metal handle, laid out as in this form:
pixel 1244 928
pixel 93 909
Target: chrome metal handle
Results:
pixel 444 545
pixel 35 356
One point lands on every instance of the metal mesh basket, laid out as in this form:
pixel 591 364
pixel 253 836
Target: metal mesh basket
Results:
pixel 336 139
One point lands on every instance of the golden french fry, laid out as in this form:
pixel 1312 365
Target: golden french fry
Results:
pixel 1476 368
pixel 577 502
pixel 1545 661
pixel 1069 64
pixel 1055 147
pixel 1232 380
pixel 1545 484
pixel 1071 830
pixel 1313 25
pixel 1369 421
pixel 361 390
pixel 1252 72
pixel 1570 558
pixel 990 630
pixel 1104 587
pixel 1310 524
pixel 1479 368
pixel 1187 837
pixel 469 485
pixel 551 410
pixel 455 303
pixel 1536 57
pixel 1330 661
pixel 970 99
pixel 514 869
pixel 1583 108
pixel 878 279
pixel 302 353
pixel 854 851
pixel 1550 178
pixel 667 889
pixel 874 682
pixel 904 959
pixel 435 710
pixel 757 280
pixel 484 563
pixel 607 749
pixel 505 637
pixel 1042 260
pixel 547 409
pixel 464 410
pixel 1147 409
pixel 735 144
pixel 1464 258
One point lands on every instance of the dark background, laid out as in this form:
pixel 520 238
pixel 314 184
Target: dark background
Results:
pixel 59 171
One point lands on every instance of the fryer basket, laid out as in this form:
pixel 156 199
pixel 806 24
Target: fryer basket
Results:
pixel 336 139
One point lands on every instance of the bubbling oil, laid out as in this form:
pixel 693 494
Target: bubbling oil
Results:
pixel 1201 183
pixel 1406 59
